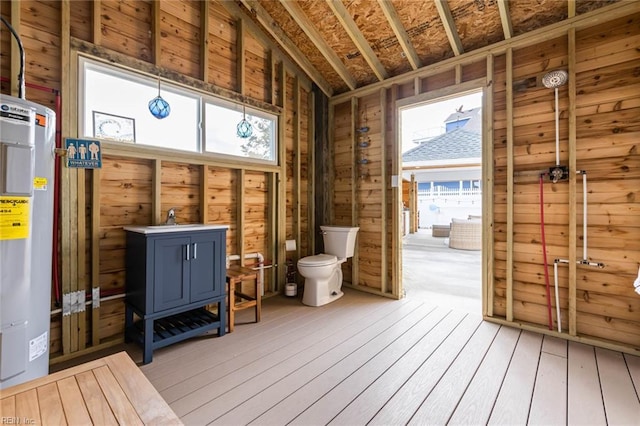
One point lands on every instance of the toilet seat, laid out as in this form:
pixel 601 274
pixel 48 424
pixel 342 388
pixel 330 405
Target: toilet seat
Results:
pixel 318 260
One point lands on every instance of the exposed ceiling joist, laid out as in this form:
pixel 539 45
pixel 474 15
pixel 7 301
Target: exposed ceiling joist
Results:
pixel 398 29
pixel 358 39
pixel 505 18
pixel 571 8
pixel 283 40
pixel 303 21
pixel 449 26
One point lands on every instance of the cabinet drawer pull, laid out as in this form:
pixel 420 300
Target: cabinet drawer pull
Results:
pixel 195 250
pixel 188 252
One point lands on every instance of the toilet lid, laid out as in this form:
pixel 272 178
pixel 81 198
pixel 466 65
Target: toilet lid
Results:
pixel 318 260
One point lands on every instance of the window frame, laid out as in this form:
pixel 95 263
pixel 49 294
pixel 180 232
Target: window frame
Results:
pixel 204 98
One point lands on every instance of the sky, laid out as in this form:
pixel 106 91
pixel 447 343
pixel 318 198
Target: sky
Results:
pixel 428 120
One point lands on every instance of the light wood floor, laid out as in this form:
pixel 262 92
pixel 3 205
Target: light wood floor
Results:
pixel 369 360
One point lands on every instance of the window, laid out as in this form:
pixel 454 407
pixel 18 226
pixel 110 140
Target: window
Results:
pixel 125 96
pixel 113 104
pixel 222 138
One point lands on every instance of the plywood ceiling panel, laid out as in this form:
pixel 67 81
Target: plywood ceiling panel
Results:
pixel 322 31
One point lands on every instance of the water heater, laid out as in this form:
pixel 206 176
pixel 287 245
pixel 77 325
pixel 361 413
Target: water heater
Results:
pixel 27 159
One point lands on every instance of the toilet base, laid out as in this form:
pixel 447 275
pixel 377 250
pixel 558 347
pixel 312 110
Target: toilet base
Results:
pixel 309 298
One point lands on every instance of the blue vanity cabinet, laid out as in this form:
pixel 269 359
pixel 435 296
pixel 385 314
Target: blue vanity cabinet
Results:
pixel 172 275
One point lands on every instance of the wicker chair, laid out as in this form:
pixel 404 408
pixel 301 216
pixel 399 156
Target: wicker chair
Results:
pixel 466 234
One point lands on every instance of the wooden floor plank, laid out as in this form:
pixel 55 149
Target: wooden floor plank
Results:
pixel 122 409
pixel 620 400
pixel 400 408
pixel 50 403
pixel 584 398
pixel 72 403
pixel 386 329
pixel 317 339
pixel 366 405
pixel 477 402
pixel 242 340
pixel 549 402
pixel 514 399
pixel 97 404
pixel 268 398
pixel 249 338
pixel 321 361
pixel 357 379
pixel 8 407
pixel 441 402
pixel 264 350
pixel 27 403
pixel 633 363
pixel 143 396
pixel 554 346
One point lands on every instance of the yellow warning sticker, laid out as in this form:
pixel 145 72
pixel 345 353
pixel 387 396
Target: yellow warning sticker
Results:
pixel 40 183
pixel 14 218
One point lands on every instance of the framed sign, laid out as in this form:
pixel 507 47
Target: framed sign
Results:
pixel 115 127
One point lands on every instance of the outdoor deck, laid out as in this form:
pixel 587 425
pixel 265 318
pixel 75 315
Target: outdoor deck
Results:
pixel 365 359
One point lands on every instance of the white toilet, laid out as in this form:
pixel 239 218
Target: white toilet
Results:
pixel 323 272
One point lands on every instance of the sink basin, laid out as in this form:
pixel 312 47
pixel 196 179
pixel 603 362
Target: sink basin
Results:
pixel 152 229
pixel 180 226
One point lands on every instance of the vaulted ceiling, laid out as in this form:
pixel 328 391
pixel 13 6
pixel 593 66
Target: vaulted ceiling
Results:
pixel 346 44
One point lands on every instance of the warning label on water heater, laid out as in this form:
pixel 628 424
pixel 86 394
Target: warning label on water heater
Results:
pixel 14 218
pixel 38 346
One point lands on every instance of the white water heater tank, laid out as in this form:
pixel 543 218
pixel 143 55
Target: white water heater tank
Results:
pixel 27 159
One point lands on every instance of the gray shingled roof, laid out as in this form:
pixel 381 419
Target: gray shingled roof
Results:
pixel 458 143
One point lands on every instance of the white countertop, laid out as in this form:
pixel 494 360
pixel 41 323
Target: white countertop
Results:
pixel 158 229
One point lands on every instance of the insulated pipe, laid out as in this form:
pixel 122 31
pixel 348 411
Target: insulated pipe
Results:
pixel 555 275
pixel 544 254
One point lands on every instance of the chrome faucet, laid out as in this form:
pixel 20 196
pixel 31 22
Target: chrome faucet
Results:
pixel 171 217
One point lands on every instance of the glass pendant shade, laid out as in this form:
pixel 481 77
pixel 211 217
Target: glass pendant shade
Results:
pixel 158 107
pixel 244 129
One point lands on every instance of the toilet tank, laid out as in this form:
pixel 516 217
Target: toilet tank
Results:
pixel 339 240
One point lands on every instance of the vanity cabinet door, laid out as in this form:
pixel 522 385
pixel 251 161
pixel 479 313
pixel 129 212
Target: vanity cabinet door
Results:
pixel 171 273
pixel 207 270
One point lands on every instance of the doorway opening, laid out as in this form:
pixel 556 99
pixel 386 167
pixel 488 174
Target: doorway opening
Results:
pixel 442 200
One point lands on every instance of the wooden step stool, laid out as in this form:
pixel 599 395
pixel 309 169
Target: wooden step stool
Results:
pixel 236 275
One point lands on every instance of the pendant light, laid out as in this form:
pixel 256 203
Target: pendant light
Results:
pixel 244 129
pixel 158 107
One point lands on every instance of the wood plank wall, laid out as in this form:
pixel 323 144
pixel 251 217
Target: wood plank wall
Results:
pixel 599 128
pixel 137 185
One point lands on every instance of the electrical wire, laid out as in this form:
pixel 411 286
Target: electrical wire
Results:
pixel 21 90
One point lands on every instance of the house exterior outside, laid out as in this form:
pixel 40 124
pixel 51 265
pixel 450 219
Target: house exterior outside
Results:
pixel 447 170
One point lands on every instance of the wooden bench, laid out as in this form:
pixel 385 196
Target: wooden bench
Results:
pixel 110 390
pixel 239 300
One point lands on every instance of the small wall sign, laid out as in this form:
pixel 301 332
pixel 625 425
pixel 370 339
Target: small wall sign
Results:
pixel 83 153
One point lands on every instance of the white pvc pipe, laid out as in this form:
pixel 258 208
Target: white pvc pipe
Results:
pixel 557 130
pixel 555 276
pixel 90 302
pixel 261 268
pixel 584 213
